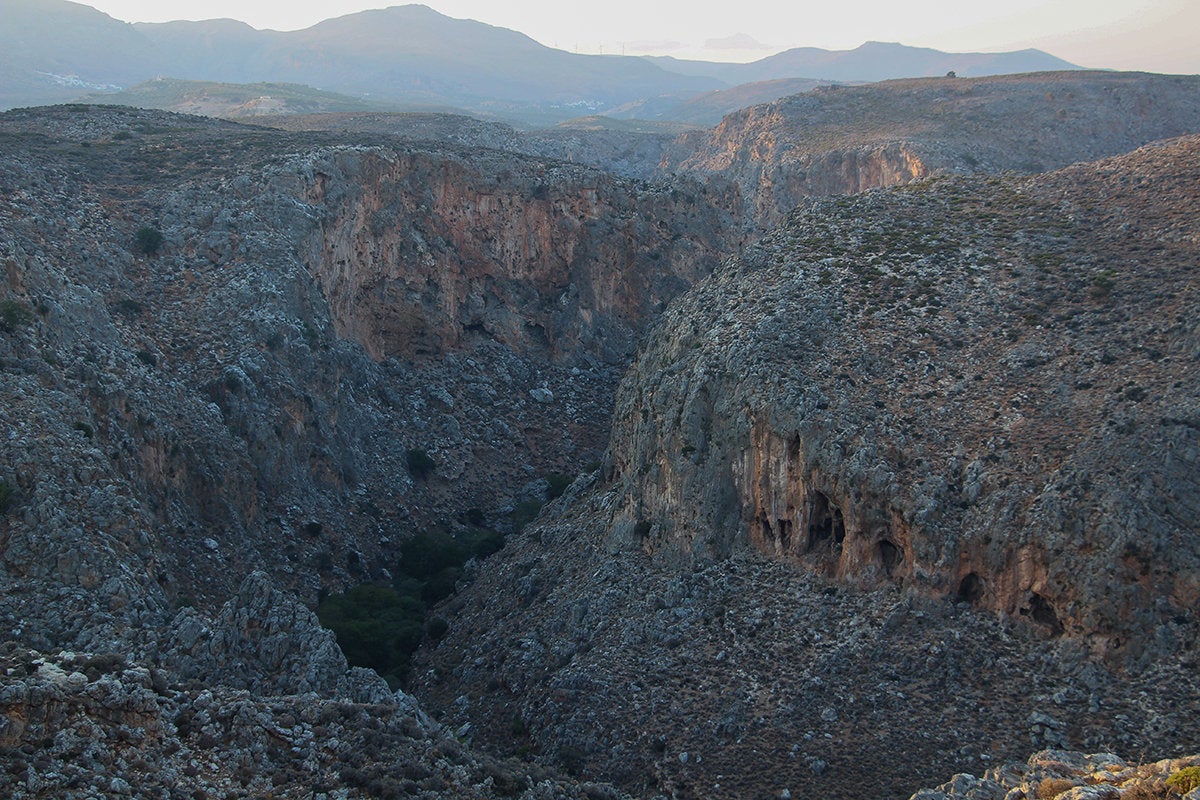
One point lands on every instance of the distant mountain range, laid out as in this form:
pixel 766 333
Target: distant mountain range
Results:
pixel 870 62
pixel 412 56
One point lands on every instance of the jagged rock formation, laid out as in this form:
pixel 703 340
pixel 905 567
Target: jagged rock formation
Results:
pixel 846 139
pixel 914 473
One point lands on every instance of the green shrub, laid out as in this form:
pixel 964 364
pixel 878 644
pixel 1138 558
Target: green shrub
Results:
pixel 1103 284
pixel 430 552
pixel 524 514
pixel 440 585
pixel 1185 779
pixel 420 463
pixel 129 307
pixel 380 627
pixel 558 484
pixel 148 240
pixel 436 628
pixel 13 315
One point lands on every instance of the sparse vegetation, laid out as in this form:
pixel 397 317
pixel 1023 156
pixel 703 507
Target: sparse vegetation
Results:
pixel 14 314
pixel 1154 789
pixel 1185 780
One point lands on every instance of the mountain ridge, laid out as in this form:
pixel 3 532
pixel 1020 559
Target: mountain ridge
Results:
pixel 413 55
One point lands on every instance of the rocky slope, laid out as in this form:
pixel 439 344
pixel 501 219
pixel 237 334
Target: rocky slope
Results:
pixel 220 346
pixel 245 397
pixel 257 702
pixel 851 138
pixel 912 479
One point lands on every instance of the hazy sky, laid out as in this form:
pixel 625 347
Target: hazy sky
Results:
pixel 1154 35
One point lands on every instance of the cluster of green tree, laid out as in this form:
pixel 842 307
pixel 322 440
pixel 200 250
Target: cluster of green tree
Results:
pixel 381 626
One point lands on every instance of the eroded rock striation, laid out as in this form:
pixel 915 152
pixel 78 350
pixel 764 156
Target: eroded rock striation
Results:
pixel 978 388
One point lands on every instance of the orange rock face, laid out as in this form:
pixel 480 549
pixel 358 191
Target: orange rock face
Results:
pixel 422 253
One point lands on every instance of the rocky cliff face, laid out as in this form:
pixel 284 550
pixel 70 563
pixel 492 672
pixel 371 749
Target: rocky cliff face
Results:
pixel 914 473
pixel 919 441
pixel 843 139
pixel 424 253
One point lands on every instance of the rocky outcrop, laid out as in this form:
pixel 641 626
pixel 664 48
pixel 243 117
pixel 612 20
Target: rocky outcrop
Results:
pixel 915 476
pixel 1074 776
pixel 843 139
pixel 266 642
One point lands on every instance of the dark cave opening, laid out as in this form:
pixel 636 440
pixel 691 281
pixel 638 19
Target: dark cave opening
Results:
pixel 890 555
pixel 970 589
pixel 826 525
pixel 1044 614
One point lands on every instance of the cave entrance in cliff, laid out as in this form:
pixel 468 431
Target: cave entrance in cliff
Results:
pixel 1043 613
pixel 890 555
pixel 970 589
pixel 826 526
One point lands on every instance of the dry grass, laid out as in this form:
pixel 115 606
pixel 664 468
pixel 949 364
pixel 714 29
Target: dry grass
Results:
pixel 1154 789
pixel 1050 788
